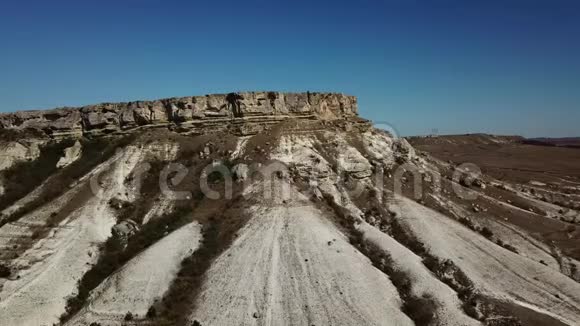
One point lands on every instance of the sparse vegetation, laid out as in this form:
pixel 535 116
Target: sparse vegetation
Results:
pixel 218 176
pixel 486 232
pixel 405 238
pixel 468 223
pixel 128 316
pixel 218 233
pixel 52 220
pixel 152 312
pixel 60 182
pixel 113 256
pixel 422 310
pixel 511 248
pixel 473 303
pixel 10 135
pixel 452 275
pixel 23 177
pixel 148 193
pixel 5 271
pixel 95 152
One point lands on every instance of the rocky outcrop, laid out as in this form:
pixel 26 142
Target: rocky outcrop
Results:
pixel 18 151
pixel 71 154
pixel 241 113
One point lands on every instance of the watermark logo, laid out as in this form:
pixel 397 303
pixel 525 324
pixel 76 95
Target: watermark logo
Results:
pixel 352 174
pixel 388 128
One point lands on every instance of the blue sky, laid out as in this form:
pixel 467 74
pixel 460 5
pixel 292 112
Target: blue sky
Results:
pixel 506 67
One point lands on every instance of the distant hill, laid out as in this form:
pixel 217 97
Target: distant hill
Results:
pixel 571 142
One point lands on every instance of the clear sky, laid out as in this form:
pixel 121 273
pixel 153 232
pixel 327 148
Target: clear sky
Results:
pixel 505 66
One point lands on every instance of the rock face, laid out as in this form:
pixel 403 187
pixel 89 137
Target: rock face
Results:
pixel 71 154
pixel 17 151
pixel 241 113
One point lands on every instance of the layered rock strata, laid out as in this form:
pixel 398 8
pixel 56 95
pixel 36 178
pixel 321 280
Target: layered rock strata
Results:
pixel 241 113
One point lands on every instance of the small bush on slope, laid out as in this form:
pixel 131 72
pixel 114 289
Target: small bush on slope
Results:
pixel 422 309
pixel 128 316
pixel 486 232
pixel 5 272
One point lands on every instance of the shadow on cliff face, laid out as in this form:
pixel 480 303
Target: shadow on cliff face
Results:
pixel 10 135
pixel 24 177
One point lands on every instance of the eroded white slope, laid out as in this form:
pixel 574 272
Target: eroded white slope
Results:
pixel 291 266
pixel 142 281
pixel 495 270
pixel 300 150
pixel 526 244
pixel 423 282
pixel 38 296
